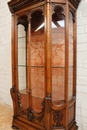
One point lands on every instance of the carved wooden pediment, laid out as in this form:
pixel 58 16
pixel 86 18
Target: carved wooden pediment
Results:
pixel 75 3
pixel 16 5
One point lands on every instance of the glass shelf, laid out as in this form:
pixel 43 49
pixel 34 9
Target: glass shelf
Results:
pixel 21 37
pixel 22 66
pixel 58 66
pixel 38 66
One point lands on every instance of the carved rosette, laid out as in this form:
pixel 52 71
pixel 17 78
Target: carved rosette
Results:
pixel 57 118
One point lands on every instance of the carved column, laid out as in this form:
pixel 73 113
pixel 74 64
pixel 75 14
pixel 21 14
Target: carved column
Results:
pixel 29 67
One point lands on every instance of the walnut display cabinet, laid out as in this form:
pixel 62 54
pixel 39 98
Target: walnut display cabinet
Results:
pixel 44 64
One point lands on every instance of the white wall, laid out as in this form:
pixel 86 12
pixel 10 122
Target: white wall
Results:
pixel 5 52
pixel 5 60
pixel 82 65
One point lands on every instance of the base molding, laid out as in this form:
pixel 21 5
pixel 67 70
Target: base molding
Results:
pixel 73 126
pixel 24 124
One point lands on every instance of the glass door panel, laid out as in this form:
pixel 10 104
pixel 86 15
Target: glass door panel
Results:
pixel 37 60
pixel 58 55
pixel 21 58
pixel 22 65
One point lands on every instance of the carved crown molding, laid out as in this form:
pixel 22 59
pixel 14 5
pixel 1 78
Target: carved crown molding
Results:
pixel 75 3
pixel 15 5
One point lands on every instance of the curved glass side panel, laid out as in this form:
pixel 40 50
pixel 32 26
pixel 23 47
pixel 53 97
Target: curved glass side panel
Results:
pixel 70 79
pixel 58 55
pixel 22 61
pixel 21 58
pixel 37 60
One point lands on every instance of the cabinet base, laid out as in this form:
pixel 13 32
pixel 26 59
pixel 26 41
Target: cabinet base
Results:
pixel 27 125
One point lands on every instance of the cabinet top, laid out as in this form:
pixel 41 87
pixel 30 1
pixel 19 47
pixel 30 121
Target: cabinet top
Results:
pixel 15 5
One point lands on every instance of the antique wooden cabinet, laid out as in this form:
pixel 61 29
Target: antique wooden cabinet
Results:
pixel 44 64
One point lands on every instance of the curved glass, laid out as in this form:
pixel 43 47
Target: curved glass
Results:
pixel 21 57
pixel 71 36
pixel 22 60
pixel 37 60
pixel 58 55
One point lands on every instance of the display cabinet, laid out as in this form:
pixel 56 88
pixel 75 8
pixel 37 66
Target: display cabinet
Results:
pixel 44 64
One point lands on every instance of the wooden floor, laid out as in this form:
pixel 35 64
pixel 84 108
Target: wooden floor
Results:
pixel 5 117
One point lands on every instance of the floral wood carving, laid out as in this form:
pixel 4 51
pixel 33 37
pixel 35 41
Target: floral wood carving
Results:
pixel 57 117
pixel 22 110
pixel 32 116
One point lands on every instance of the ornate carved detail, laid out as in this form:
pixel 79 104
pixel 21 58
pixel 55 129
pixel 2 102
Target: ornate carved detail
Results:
pixel 17 5
pixel 22 110
pixel 57 117
pixel 14 6
pixel 40 118
pixel 12 91
pixel 75 2
pixel 24 23
pixel 32 116
pixel 48 103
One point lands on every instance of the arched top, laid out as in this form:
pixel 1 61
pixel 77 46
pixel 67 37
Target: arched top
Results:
pixel 58 16
pixel 72 14
pixel 59 8
pixel 40 9
pixel 23 19
pixel 37 20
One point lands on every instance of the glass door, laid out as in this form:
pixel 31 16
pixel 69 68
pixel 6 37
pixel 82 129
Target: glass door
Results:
pixel 22 62
pixel 37 61
pixel 58 55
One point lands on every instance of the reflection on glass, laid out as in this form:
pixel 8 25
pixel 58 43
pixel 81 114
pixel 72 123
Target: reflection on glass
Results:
pixel 37 60
pixel 58 55
pixel 70 83
pixel 21 59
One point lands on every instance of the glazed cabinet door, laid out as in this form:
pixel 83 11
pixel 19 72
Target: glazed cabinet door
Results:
pixel 31 66
pixel 37 60
pixel 22 63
